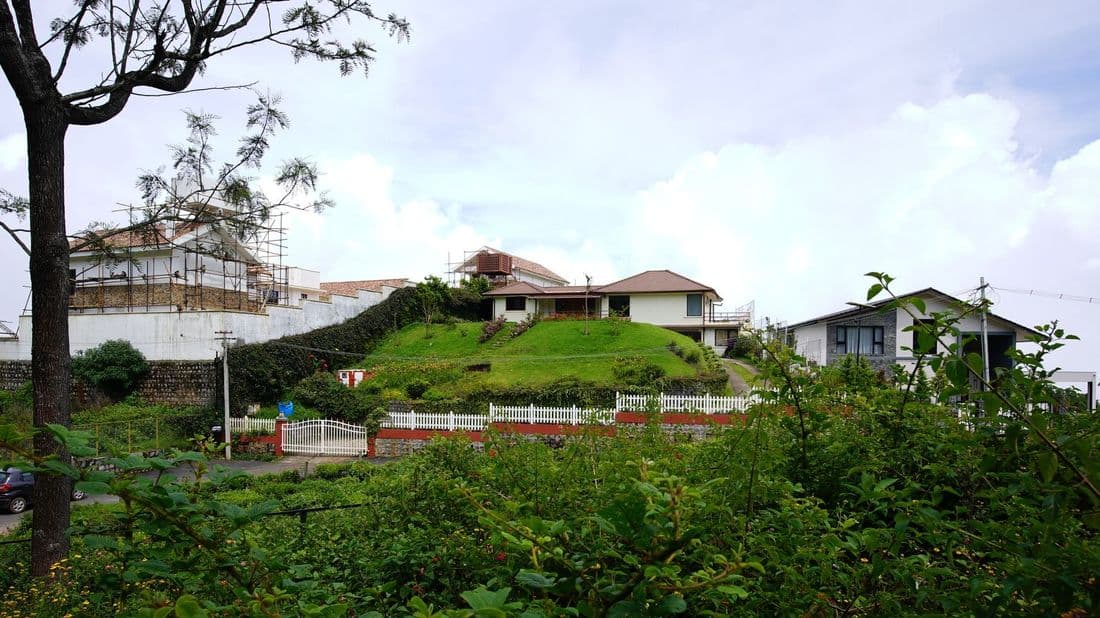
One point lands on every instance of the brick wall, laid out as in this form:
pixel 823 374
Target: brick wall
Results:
pixel 180 383
pixel 888 321
pixel 141 295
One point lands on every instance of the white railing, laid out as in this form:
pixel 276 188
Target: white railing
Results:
pixel 251 425
pixel 533 414
pixel 444 421
pixel 324 437
pixel 703 404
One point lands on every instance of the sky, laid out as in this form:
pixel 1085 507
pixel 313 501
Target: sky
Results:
pixel 776 151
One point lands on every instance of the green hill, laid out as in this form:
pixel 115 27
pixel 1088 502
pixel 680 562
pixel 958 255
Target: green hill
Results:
pixel 451 361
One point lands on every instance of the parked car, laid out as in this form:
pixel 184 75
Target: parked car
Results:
pixel 16 488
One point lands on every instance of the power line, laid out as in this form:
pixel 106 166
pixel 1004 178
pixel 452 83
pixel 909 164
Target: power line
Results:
pixel 1054 295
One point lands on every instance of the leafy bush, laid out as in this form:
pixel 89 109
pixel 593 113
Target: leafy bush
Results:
pixel 324 393
pixel 525 325
pixel 637 371
pixel 744 346
pixel 490 328
pixel 262 372
pixel 416 389
pixel 114 367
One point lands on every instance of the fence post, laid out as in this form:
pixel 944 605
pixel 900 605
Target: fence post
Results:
pixel 707 408
pixel 451 418
pixel 280 424
pixel 324 426
pixel 531 414
pixel 576 415
pixel 618 404
pixel 490 413
pixel 412 419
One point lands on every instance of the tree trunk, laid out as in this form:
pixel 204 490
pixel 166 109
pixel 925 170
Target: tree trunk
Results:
pixel 50 362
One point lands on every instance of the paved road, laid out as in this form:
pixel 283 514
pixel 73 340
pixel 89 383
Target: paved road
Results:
pixel 737 383
pixel 303 464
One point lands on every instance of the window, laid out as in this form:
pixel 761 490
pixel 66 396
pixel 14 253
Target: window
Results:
pixel 924 326
pixel 859 340
pixel 695 305
pixel 515 303
pixel 619 305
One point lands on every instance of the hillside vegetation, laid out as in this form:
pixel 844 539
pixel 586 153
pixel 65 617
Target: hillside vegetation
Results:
pixel 451 360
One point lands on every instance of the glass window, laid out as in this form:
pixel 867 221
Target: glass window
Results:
pixel 515 303
pixel 859 339
pixel 619 305
pixel 695 305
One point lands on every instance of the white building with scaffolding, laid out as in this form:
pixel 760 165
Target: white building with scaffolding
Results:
pixel 167 287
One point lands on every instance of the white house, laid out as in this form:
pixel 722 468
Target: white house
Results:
pixel 659 297
pixel 876 331
pixel 168 289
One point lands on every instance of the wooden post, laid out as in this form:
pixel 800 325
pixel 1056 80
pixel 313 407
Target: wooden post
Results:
pixel 412 419
pixel 451 419
pixel 531 415
pixel 576 416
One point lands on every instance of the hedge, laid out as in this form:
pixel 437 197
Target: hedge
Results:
pixel 263 372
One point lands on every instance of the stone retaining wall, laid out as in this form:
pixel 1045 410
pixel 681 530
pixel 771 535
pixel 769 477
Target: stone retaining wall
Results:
pixel 177 383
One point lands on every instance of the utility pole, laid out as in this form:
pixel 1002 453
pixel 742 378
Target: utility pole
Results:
pixel 985 336
pixel 587 287
pixel 224 337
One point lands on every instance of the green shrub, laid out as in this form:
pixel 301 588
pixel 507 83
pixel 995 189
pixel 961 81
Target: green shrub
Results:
pixel 637 371
pixel 416 388
pixel 114 368
pixel 744 346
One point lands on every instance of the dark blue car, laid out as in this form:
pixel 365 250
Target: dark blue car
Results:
pixel 16 488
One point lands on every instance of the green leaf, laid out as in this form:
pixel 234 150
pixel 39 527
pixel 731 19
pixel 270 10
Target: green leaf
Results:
pixel 483 598
pixel 733 591
pixel 918 304
pixel 625 609
pixel 671 604
pixel 93 487
pixel 532 579
pixel 188 606
pixel 874 291
pixel 1048 465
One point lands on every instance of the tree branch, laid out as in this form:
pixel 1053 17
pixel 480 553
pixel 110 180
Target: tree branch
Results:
pixel 18 240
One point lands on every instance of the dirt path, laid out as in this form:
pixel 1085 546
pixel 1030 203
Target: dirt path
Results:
pixel 737 383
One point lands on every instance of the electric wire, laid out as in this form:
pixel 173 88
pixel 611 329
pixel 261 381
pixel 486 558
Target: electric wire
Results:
pixel 1053 295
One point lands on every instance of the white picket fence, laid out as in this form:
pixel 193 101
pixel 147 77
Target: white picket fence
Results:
pixel 703 404
pixel 324 437
pixel 238 426
pixel 534 415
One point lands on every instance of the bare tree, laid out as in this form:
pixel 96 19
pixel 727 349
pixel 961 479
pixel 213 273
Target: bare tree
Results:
pixel 145 46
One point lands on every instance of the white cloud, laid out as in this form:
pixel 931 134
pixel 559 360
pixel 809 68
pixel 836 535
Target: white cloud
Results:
pixel 934 194
pixel 13 152
pixel 370 233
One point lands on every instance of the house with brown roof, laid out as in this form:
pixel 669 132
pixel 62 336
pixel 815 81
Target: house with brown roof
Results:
pixel 659 297
pixel 502 268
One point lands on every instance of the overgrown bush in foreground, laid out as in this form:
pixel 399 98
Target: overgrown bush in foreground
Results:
pixel 860 498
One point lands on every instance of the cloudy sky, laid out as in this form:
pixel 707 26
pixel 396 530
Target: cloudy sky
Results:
pixel 774 150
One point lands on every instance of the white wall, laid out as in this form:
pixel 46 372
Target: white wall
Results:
pixel 189 335
pixel 662 310
pixel 530 306
pixel 810 342
pixel 529 277
pixel 969 324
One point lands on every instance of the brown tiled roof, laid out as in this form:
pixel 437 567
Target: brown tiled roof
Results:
pixel 351 288
pixel 519 288
pixel 147 236
pixel 520 263
pixel 655 281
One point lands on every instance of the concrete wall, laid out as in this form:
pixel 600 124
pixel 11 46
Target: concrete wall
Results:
pixel 810 342
pixel 189 335
pixel 499 303
pixel 663 310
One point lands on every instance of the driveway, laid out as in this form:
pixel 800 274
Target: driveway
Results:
pixel 303 464
pixel 737 382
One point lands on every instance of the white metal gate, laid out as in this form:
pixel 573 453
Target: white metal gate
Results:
pixel 324 437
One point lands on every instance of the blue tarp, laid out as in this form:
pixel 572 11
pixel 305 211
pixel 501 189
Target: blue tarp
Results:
pixel 286 408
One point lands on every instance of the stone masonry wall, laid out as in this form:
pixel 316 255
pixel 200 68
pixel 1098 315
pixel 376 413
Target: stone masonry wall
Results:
pixel 171 294
pixel 888 321
pixel 177 383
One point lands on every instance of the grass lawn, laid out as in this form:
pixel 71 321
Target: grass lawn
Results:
pixel 547 352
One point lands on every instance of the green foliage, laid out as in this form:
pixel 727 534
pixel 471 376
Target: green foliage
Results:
pixel 868 502
pixel 637 371
pixel 331 399
pixel 432 295
pixel 478 284
pixel 114 367
pixel 491 328
pixel 263 372
pixel 744 346
pixel 416 388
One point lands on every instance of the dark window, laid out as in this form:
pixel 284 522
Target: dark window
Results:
pixel 515 303
pixel 619 305
pixel 926 327
pixel 695 305
pixel 859 339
